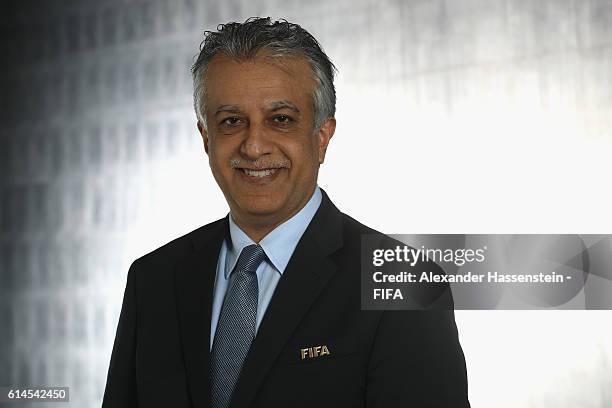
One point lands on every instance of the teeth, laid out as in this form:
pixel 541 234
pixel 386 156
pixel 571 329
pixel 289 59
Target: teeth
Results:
pixel 259 173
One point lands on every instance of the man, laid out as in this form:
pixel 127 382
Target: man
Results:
pixel 262 308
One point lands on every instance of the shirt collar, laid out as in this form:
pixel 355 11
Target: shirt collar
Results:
pixel 280 243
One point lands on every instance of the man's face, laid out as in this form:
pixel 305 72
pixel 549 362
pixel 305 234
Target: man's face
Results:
pixel 262 148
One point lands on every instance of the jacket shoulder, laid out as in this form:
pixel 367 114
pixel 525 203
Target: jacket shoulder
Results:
pixel 180 247
pixel 353 226
pixel 354 230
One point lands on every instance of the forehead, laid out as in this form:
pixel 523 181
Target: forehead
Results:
pixel 261 77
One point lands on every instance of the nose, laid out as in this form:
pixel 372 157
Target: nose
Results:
pixel 256 142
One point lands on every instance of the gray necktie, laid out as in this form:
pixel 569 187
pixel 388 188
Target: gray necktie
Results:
pixel 236 326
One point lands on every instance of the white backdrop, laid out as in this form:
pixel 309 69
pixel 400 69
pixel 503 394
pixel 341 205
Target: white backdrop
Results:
pixel 453 117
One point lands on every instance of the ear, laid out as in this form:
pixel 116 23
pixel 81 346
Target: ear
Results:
pixel 204 135
pixel 325 133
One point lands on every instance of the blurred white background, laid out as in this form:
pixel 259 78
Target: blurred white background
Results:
pixel 467 116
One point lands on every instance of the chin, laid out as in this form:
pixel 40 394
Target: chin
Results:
pixel 262 205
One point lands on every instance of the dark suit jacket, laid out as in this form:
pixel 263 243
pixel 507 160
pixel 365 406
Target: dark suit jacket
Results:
pixel 377 358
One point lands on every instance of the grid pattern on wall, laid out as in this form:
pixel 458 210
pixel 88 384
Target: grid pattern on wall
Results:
pixel 98 93
pixel 95 95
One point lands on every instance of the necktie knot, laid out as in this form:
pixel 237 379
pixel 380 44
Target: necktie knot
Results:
pixel 250 258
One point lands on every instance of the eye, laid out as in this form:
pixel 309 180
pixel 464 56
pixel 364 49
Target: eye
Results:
pixel 284 119
pixel 231 121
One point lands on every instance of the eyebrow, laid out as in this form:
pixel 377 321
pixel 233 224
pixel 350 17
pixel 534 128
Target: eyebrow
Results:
pixel 274 106
pixel 228 108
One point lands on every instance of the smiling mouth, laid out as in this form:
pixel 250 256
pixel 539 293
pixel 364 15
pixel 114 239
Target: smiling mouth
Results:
pixel 259 173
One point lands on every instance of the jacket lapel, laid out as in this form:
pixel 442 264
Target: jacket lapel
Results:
pixel 307 273
pixel 195 280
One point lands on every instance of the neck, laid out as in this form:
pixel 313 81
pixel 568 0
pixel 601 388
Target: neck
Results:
pixel 256 231
pixel 258 226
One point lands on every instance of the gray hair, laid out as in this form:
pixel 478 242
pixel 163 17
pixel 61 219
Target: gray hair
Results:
pixel 282 39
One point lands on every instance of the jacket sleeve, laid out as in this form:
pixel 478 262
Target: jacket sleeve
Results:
pixel 417 361
pixel 120 389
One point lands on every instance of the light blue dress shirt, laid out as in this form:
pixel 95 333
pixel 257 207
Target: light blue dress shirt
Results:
pixel 278 245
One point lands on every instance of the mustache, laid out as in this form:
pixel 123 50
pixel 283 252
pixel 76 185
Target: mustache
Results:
pixel 259 164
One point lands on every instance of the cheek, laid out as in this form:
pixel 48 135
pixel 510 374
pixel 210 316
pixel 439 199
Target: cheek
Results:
pixel 305 152
pixel 219 153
